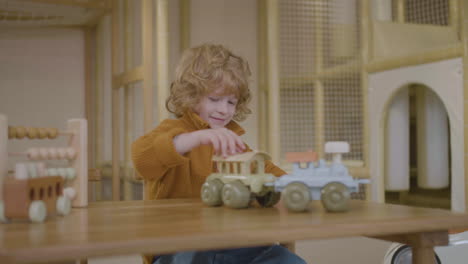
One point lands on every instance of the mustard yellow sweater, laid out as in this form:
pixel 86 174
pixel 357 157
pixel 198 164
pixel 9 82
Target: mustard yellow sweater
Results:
pixel 166 173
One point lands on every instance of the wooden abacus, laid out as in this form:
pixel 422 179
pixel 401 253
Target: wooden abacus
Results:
pixel 75 176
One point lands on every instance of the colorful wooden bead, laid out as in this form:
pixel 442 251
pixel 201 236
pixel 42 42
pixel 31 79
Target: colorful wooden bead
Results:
pixel 33 154
pixel 69 192
pixel 32 132
pixel 11 132
pixel 71 153
pixel 61 153
pixel 71 174
pixel 21 171
pixel 41 133
pixel 52 133
pixel 41 169
pixel 20 132
pixel 53 154
pixel 43 153
pixel 32 171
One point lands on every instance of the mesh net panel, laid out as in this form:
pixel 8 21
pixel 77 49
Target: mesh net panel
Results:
pixel 319 49
pixel 433 12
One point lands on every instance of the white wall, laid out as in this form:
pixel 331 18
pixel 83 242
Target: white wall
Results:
pixel 41 80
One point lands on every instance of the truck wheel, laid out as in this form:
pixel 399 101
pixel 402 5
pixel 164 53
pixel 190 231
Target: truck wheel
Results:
pixel 37 211
pixel 236 195
pixel 269 199
pixel 296 196
pixel 211 192
pixel 335 197
pixel 63 205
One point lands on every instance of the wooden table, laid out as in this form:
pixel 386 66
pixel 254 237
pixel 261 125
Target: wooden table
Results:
pixel 116 228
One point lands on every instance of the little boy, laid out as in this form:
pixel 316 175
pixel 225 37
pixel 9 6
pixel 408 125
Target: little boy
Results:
pixel 210 91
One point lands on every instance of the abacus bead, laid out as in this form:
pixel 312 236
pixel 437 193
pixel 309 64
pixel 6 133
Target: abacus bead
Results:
pixel 53 154
pixel 32 132
pixel 71 153
pixel 41 133
pixel 33 153
pixel 71 174
pixel 11 132
pixel 61 153
pixel 62 172
pixel 52 172
pixel 20 132
pixel 43 153
pixel 69 192
pixel 52 133
pixel 32 171
pixel 41 169
pixel 21 171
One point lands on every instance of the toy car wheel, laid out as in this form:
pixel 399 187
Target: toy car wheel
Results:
pixel 3 218
pixel 269 199
pixel 236 195
pixel 63 205
pixel 211 192
pixel 37 211
pixel 335 197
pixel 296 196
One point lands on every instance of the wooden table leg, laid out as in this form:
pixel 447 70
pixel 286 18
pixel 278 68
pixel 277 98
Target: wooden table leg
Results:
pixel 422 244
pixel 423 255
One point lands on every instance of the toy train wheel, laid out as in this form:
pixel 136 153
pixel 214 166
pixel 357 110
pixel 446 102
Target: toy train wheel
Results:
pixel 3 218
pixel 211 192
pixel 236 195
pixel 37 211
pixel 269 199
pixel 296 196
pixel 335 197
pixel 63 205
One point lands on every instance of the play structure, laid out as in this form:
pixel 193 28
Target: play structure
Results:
pixel 35 188
pixel 389 77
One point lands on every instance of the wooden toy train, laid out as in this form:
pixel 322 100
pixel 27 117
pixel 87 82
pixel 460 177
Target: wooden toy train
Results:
pixel 241 178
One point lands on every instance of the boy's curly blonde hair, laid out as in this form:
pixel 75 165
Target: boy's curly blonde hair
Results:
pixel 204 69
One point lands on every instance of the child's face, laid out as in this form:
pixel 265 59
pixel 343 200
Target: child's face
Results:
pixel 217 108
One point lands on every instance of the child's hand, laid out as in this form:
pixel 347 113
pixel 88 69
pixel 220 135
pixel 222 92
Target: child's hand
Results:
pixel 224 141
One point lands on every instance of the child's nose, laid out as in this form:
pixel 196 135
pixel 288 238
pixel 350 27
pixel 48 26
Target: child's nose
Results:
pixel 223 107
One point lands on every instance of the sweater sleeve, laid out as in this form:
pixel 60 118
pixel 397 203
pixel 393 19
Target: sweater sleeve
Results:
pixel 154 153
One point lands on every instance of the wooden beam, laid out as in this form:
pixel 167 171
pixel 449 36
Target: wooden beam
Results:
pixel 184 24
pixel 147 45
pixel 115 105
pixel 95 4
pixel 454 51
pixel 428 239
pixel 272 17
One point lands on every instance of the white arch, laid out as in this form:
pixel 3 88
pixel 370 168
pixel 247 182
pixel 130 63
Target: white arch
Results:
pixel 446 80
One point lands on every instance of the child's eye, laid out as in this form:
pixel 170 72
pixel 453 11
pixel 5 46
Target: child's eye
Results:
pixel 232 102
pixel 213 99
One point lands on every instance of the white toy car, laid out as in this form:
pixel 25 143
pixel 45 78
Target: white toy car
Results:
pixel 330 184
